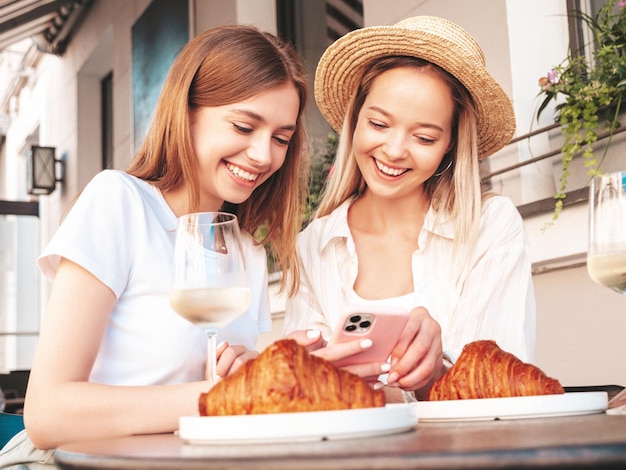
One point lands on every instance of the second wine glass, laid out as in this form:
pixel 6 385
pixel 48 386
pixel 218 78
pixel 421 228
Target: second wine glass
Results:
pixel 606 258
pixel 210 286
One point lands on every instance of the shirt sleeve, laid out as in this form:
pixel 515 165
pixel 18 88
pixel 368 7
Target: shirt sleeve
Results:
pixel 95 232
pixel 497 296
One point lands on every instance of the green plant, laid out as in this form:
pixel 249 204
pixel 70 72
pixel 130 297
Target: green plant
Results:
pixel 321 164
pixel 591 90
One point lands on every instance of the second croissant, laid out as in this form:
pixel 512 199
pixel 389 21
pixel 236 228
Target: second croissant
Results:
pixel 483 370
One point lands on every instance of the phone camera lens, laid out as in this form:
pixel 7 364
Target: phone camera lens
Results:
pixel 355 318
pixel 365 324
pixel 350 327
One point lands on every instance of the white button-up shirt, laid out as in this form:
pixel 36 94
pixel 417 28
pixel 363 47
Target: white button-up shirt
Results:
pixel 489 295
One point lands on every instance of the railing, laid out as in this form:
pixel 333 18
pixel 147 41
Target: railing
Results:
pixel 602 136
pixel 19 333
pixel 575 196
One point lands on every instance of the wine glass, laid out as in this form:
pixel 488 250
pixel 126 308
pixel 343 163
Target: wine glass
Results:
pixel 210 285
pixel 606 257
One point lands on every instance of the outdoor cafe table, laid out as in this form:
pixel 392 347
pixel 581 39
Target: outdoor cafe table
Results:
pixel 594 441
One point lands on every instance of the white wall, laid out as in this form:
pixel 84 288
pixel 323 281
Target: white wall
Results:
pixel 211 13
pixel 581 329
pixel 485 20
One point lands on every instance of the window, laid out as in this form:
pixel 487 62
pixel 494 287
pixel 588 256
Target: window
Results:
pixel 107 121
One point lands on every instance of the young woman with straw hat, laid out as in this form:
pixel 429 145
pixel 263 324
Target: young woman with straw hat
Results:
pixel 403 219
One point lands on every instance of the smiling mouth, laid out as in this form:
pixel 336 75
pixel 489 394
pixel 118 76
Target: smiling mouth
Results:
pixel 242 174
pixel 390 171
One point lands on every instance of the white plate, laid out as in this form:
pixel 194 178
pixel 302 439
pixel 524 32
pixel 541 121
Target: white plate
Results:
pixel 574 403
pixel 308 426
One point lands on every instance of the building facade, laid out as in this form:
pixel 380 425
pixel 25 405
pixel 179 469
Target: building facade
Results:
pixel 83 96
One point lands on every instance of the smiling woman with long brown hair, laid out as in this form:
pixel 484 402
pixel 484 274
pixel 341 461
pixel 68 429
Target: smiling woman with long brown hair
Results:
pixel 113 358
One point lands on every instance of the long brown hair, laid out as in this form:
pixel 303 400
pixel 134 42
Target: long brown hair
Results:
pixel 221 66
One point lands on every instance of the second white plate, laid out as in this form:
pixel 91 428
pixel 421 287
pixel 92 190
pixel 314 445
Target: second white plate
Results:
pixel 308 426
pixel 574 403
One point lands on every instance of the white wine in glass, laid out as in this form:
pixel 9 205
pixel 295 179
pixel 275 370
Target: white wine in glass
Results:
pixel 210 286
pixel 606 257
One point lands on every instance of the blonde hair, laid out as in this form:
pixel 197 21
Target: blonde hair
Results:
pixel 454 191
pixel 221 66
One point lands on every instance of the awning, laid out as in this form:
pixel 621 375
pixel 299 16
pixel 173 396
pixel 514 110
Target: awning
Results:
pixel 50 23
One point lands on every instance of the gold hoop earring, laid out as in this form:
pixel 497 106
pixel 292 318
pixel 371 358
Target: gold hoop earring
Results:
pixel 444 170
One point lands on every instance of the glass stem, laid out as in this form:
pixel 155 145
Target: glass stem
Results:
pixel 211 366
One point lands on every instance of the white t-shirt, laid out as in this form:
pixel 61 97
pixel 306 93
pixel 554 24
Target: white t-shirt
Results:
pixel 122 231
pixel 488 296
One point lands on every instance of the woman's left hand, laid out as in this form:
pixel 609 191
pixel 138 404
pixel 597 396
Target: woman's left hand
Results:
pixel 230 358
pixel 417 359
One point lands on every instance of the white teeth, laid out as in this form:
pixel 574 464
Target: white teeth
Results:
pixel 241 173
pixel 390 171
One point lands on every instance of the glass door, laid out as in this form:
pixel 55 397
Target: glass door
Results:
pixel 19 284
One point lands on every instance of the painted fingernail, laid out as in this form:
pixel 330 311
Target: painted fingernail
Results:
pixel 378 385
pixel 366 343
pixel 385 367
pixel 392 377
pixel 313 334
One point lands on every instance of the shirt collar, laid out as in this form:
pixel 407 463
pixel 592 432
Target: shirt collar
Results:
pixel 337 225
pixel 443 228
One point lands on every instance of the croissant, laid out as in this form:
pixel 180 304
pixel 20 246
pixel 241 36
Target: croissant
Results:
pixel 483 370
pixel 285 378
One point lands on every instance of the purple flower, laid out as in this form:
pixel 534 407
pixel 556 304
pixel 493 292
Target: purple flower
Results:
pixel 621 3
pixel 553 75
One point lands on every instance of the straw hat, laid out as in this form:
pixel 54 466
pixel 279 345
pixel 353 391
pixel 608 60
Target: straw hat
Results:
pixel 431 38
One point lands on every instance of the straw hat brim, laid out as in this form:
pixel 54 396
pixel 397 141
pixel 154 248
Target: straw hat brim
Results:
pixel 431 38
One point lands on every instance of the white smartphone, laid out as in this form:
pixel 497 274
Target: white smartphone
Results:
pixel 382 325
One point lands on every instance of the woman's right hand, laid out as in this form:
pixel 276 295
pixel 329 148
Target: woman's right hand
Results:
pixel 230 358
pixel 312 340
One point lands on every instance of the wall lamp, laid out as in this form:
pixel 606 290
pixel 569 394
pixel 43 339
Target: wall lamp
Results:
pixel 41 166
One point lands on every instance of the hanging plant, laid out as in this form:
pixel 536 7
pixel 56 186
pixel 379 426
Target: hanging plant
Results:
pixel 591 91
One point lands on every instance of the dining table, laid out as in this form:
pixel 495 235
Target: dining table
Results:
pixel 594 440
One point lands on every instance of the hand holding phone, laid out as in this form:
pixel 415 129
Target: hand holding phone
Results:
pixel 382 325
